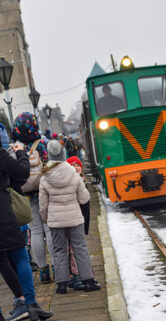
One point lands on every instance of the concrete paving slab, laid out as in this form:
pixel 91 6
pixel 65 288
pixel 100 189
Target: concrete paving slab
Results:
pixel 116 301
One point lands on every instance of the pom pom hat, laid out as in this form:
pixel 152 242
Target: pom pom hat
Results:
pixel 55 151
pixel 54 135
pixel 74 159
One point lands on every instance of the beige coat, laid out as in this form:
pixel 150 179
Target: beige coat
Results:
pixel 60 193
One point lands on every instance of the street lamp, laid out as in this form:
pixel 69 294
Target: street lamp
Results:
pixel 34 98
pixel 47 109
pixel 6 70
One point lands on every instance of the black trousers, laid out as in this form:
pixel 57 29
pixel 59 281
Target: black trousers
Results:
pixel 9 275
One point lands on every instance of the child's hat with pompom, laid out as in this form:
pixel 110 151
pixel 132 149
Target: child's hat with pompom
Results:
pixel 55 151
pixel 74 159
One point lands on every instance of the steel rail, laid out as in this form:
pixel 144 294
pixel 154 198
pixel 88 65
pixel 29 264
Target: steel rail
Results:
pixel 152 234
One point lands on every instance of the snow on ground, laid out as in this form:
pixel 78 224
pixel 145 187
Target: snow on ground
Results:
pixel 142 272
pixel 161 234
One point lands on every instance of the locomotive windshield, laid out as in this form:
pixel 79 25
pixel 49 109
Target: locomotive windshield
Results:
pixel 152 90
pixel 110 98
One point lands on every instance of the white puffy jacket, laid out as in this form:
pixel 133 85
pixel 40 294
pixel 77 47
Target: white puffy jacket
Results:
pixel 60 193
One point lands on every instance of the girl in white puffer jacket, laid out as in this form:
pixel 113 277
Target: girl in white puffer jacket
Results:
pixel 60 193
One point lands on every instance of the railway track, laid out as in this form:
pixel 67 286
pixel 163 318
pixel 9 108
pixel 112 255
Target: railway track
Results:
pixel 151 221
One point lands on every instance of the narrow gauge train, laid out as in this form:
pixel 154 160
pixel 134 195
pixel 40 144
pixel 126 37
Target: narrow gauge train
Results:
pixel 124 117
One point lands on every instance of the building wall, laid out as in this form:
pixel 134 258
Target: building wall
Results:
pixel 20 101
pixel 15 50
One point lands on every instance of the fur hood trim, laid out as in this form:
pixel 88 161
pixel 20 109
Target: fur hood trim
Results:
pixel 50 165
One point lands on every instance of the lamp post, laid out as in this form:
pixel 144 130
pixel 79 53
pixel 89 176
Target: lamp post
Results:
pixel 62 122
pixel 34 98
pixel 47 109
pixel 6 71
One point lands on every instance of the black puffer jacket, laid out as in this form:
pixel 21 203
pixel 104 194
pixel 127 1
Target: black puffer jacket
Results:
pixel 18 172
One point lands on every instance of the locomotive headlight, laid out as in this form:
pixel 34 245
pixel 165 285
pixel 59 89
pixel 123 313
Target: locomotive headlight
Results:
pixel 126 63
pixel 103 125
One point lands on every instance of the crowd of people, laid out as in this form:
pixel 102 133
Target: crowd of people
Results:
pixel 61 215
pixel 72 147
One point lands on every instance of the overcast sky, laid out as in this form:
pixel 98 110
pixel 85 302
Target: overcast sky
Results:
pixel 66 37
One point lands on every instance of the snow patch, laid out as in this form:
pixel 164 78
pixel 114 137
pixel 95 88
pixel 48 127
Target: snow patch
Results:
pixel 140 267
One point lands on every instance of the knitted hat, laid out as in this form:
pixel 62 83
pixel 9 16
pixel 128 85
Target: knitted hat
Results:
pixel 74 159
pixel 60 135
pixel 54 135
pixel 4 138
pixel 55 151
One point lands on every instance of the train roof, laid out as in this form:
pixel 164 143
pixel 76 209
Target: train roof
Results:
pixel 135 69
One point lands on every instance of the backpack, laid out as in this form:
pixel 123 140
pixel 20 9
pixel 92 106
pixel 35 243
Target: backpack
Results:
pixel 36 166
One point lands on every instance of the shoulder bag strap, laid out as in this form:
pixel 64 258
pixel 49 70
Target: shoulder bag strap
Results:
pixel 34 146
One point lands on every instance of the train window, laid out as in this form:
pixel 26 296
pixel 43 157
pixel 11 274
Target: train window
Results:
pixel 110 98
pixel 152 90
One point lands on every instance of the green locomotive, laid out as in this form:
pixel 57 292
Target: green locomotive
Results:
pixel 124 117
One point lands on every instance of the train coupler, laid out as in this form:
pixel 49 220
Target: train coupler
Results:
pixel 132 184
pixel 151 180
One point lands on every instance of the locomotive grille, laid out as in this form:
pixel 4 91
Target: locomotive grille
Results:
pixel 136 133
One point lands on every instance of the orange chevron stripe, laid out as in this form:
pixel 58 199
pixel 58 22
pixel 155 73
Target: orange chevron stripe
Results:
pixel 153 139
pixel 126 133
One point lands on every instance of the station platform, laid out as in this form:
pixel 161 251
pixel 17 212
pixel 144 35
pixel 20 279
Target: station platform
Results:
pixel 107 304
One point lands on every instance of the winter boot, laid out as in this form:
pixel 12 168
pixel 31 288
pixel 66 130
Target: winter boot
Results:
pixel 91 285
pixel 34 266
pixel 72 280
pixel 62 288
pixel 19 312
pixel 36 312
pixel 76 283
pixel 45 275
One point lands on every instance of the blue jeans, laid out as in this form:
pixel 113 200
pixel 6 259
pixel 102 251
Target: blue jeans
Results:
pixel 19 258
pixel 28 246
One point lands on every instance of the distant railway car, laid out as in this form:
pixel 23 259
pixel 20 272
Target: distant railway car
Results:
pixel 125 122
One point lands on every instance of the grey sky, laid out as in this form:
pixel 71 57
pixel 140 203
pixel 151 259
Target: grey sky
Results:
pixel 65 38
